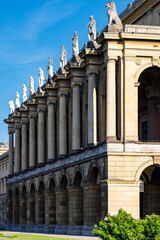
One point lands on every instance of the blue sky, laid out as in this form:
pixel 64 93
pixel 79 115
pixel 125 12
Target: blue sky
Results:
pixel 32 31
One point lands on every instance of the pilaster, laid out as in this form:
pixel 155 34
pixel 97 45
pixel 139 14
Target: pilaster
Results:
pixel 62 125
pixel 17 149
pixel 76 135
pixel 11 151
pixel 111 100
pixel 92 108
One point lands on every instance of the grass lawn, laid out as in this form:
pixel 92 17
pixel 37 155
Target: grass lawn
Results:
pixel 21 236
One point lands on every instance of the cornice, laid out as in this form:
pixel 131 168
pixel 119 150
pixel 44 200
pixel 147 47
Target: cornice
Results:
pixel 138 9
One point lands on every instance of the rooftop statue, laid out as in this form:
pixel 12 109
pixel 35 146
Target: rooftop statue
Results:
pixel 17 100
pixel 24 93
pixel 50 68
pixel 113 18
pixel 75 50
pixel 41 77
pixel 92 29
pixel 63 59
pixel 11 106
pixel 31 86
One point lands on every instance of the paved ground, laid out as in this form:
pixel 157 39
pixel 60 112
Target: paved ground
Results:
pixel 61 236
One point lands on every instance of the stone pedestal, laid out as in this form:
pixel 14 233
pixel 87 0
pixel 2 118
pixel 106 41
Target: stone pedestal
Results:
pixel 32 142
pixel 114 28
pixel 17 150
pixel 76 135
pixel 92 109
pixel 62 125
pixel 111 101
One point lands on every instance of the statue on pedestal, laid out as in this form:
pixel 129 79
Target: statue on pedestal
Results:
pixel 92 29
pixel 75 49
pixel 31 86
pixel 24 93
pixel 63 59
pixel 11 107
pixel 113 18
pixel 17 100
pixel 50 69
pixel 41 77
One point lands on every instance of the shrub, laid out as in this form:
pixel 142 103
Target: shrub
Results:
pixel 124 227
pixel 118 227
pixel 151 225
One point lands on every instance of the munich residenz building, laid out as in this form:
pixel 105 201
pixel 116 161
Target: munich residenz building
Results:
pixel 87 142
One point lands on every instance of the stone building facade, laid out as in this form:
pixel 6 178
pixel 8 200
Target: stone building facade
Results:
pixel 3 175
pixel 87 142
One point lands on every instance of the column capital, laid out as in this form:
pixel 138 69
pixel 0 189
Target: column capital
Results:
pixel 32 116
pixel 10 131
pixel 90 72
pixel 41 110
pixel 51 102
pixel 73 84
pixel 24 121
pixel 112 58
pixel 17 127
pixel 60 94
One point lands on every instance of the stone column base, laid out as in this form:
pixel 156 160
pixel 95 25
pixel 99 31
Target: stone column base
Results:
pixel 74 230
pixel 22 227
pixel 87 230
pixel 9 227
pixel 16 227
pixel 61 229
pixel 39 228
pixel 29 228
pixel 49 228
